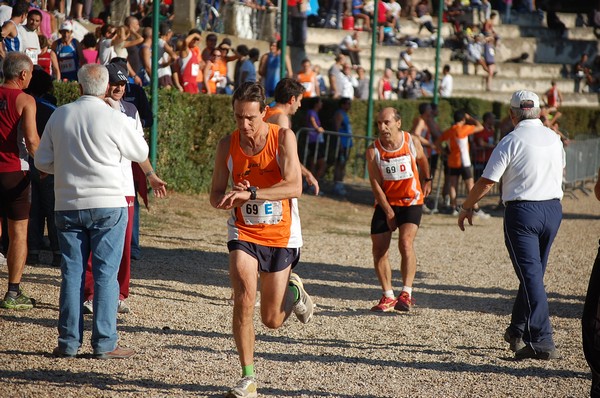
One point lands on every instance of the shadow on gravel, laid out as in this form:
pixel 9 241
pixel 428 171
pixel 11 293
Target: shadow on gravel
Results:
pixel 579 216
pixel 61 378
pixel 339 282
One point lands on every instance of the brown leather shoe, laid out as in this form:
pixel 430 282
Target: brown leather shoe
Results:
pixel 117 353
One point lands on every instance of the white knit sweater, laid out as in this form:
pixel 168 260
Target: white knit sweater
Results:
pixel 83 145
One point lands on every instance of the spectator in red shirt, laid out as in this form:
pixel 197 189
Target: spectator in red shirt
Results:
pixel 483 144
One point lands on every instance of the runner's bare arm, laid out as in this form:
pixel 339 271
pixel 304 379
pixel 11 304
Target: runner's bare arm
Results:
pixel 55 67
pixel 310 179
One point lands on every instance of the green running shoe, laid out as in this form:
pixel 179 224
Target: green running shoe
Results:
pixel 20 302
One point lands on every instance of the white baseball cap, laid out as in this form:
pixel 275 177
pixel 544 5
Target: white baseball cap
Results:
pixel 66 25
pixel 524 99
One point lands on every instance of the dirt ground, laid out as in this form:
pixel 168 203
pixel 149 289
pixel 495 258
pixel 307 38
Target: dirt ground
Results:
pixel 450 346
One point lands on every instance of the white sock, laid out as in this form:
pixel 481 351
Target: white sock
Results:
pixel 389 293
pixel 407 289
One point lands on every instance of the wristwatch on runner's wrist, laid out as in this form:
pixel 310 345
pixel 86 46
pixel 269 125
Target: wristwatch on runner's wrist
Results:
pixel 252 191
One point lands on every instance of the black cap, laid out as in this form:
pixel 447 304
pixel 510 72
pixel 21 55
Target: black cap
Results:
pixel 116 73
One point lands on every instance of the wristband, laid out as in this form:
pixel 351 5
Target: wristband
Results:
pixel 428 179
pixel 148 174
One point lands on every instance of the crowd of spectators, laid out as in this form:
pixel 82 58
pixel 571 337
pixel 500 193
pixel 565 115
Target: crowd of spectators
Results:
pixel 125 32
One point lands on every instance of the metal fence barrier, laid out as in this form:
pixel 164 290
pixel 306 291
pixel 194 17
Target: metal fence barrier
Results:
pixel 331 147
pixel 583 160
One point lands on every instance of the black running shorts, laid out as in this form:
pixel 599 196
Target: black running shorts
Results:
pixel 404 215
pixel 270 259
pixel 15 195
pixel 464 172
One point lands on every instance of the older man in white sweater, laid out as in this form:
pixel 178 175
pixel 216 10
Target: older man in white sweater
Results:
pixel 83 145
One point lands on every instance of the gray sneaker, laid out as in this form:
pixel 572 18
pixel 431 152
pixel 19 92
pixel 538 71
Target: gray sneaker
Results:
pixel 245 388
pixel 88 307
pixel 481 214
pixel 304 307
pixel 123 307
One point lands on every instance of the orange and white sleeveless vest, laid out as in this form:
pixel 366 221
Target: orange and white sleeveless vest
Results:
pixel 398 168
pixel 264 222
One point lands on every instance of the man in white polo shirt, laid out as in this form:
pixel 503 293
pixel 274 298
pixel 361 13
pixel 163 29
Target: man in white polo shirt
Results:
pixel 530 160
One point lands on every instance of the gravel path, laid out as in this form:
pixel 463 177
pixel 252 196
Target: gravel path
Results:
pixel 449 346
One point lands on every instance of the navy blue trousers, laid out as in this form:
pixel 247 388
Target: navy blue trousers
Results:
pixel 529 230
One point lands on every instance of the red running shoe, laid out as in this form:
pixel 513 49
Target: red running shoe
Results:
pixel 386 304
pixel 404 302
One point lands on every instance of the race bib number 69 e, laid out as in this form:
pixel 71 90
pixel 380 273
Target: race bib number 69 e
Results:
pixel 262 212
pixel 397 169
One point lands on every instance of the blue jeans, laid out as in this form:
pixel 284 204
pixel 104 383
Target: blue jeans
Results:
pixel 136 252
pixel 529 230
pixel 100 232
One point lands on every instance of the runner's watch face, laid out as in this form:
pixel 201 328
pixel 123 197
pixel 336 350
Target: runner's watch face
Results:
pixel 252 191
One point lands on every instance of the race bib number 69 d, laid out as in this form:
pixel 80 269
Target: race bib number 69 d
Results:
pixel 262 212
pixel 397 169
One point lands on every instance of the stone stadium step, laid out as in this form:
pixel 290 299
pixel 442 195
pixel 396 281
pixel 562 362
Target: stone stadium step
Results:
pixel 425 58
pixel 569 99
pixel 539 19
pixel 546 51
pixel 539 51
pixel 514 70
pixel 504 84
pixel 541 32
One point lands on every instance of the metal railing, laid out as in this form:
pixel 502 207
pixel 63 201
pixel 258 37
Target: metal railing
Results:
pixel 583 160
pixel 356 159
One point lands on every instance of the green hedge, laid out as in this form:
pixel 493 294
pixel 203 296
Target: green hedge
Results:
pixel 189 127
